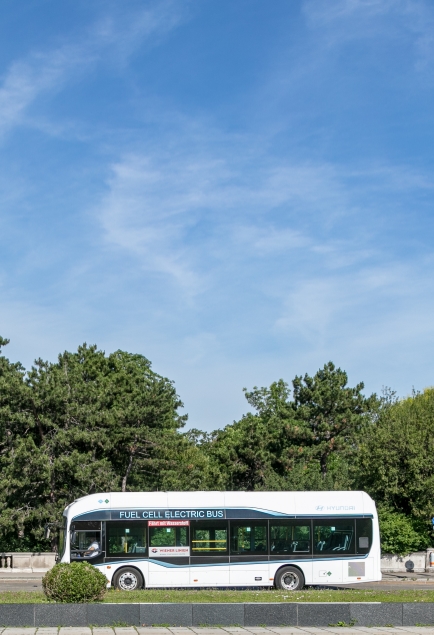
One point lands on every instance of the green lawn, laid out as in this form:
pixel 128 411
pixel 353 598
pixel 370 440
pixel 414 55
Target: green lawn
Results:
pixel 212 595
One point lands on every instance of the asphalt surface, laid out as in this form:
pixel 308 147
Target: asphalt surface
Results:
pixel 390 582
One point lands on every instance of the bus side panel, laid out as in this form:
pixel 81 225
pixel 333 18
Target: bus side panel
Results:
pixel 359 571
pixel 255 574
pixel 163 575
pixel 327 571
pixel 214 575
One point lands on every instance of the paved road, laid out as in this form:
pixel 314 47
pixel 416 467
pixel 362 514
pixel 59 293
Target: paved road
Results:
pixel 289 630
pixel 32 582
pixel 36 585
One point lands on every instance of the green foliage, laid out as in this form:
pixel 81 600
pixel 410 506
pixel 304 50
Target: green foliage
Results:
pixel 95 422
pixel 26 543
pixel 90 422
pixel 299 444
pixel 401 534
pixel 396 457
pixel 74 583
pixel 331 415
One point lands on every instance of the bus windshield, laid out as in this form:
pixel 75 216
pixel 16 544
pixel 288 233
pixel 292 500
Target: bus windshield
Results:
pixel 85 540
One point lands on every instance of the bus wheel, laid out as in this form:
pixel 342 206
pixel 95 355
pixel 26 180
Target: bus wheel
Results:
pixel 128 579
pixel 289 579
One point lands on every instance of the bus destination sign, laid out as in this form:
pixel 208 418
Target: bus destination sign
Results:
pixel 168 514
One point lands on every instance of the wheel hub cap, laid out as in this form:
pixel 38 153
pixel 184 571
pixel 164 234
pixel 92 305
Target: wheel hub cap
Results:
pixel 290 581
pixel 128 582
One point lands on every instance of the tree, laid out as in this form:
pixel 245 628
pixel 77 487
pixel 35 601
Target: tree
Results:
pixel 87 423
pixel 396 464
pixel 401 534
pixel 240 455
pixel 332 415
pixel 301 443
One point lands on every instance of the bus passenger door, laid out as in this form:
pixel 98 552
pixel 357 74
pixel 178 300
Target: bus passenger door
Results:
pixel 209 553
pixel 249 553
pixel 169 553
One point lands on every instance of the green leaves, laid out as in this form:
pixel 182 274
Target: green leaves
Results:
pixel 301 443
pixel 401 534
pixel 95 422
pixel 396 456
pixel 89 422
pixel 331 414
pixel 75 582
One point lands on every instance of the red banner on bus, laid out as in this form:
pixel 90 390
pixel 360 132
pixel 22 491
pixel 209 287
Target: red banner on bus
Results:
pixel 168 523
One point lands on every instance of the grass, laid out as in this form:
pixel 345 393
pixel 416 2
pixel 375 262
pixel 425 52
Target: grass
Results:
pixel 215 595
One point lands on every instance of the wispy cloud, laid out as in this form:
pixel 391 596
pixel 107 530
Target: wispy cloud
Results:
pixel 157 203
pixel 337 22
pixel 232 233
pixel 112 39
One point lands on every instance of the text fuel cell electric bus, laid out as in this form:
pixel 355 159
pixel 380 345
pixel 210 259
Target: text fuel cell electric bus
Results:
pixel 203 539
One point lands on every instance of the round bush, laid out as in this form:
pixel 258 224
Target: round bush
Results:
pixel 74 582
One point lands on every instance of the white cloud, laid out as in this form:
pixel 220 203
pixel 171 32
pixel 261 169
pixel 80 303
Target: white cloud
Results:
pixel 113 40
pixel 338 21
pixel 172 210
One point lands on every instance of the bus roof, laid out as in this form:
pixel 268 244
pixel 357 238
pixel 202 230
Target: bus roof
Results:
pixel 319 503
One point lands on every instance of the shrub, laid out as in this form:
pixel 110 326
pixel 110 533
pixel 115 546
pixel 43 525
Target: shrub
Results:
pixel 74 582
pixel 401 534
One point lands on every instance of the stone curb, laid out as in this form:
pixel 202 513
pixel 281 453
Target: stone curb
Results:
pixel 220 614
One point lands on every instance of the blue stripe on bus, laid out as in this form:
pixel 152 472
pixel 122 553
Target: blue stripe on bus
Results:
pixel 169 565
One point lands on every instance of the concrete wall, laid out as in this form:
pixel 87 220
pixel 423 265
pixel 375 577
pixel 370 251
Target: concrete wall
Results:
pixel 418 561
pixel 30 562
pixel 253 614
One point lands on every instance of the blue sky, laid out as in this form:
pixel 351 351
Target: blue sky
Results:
pixel 240 190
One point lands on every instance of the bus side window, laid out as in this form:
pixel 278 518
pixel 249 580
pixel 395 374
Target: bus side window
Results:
pixel 126 538
pixel 363 535
pixel 248 537
pixel 168 537
pixel 333 537
pixel 289 536
pixel 209 537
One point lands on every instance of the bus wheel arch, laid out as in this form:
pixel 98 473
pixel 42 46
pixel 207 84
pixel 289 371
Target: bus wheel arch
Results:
pixel 289 578
pixel 128 578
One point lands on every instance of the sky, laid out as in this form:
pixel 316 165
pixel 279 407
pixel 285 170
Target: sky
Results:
pixel 240 190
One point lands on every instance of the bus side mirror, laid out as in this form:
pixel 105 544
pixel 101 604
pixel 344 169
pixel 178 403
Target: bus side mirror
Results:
pixel 47 532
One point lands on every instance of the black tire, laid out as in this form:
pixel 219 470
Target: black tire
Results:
pixel 128 579
pixel 289 579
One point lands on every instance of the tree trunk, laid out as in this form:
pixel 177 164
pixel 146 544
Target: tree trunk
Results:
pixel 323 465
pixel 127 473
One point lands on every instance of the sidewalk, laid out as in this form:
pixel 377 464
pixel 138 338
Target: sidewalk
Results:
pixel 21 575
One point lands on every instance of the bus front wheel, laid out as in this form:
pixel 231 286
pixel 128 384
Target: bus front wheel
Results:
pixel 128 579
pixel 289 579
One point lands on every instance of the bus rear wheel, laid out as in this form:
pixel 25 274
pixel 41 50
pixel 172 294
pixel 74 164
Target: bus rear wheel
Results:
pixel 128 579
pixel 289 579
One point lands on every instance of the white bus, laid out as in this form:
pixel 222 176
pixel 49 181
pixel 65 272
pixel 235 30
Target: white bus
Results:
pixel 222 539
